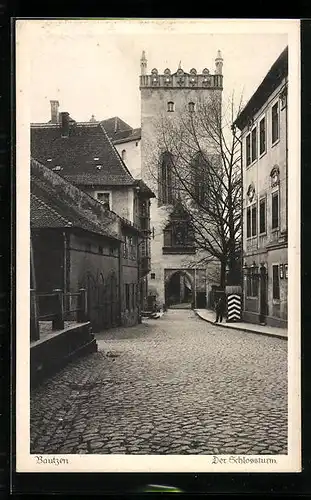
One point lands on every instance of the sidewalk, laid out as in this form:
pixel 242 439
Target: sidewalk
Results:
pixel 209 315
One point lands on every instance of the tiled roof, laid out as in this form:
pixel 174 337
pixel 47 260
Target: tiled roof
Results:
pixel 86 157
pixel 50 207
pixel 119 131
pixel 144 189
pixel 43 215
pixel 115 125
pixel 121 137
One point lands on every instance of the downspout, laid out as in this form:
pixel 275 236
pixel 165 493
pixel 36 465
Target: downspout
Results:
pixel 65 268
pixel 120 283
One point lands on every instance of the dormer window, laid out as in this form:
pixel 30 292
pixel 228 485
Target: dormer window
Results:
pixel 170 107
pixel 191 107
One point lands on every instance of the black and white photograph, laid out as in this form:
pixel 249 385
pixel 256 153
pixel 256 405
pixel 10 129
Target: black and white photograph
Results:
pixel 158 279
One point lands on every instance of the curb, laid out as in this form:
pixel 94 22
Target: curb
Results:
pixel 243 329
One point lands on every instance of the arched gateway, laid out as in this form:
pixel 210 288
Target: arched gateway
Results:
pixel 179 288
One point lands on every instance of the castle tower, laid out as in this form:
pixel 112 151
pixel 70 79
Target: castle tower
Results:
pixel 176 275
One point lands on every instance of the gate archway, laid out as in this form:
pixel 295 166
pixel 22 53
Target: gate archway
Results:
pixel 179 289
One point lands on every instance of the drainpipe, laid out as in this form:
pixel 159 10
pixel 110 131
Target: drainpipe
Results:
pixel 65 269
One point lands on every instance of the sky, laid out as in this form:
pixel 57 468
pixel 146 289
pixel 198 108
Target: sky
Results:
pixel 93 66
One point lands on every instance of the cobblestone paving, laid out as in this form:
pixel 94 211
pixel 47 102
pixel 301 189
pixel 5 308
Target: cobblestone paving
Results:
pixel 176 385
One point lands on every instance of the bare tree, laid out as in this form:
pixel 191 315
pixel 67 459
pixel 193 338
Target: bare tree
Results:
pixel 200 149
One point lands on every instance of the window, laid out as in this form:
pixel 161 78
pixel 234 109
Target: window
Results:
pixel 252 282
pixel 248 150
pixel 104 198
pixel 179 237
pixel 275 282
pixel 254 220
pixel 100 250
pixel 254 144
pixel 251 221
pixel 251 146
pixel 165 180
pixel 262 216
pixel 191 107
pixel 262 136
pixel 275 122
pixel 152 276
pixel 248 223
pixel 275 210
pixel 170 106
pixel 123 154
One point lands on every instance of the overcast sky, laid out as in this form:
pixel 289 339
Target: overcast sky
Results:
pixel 93 67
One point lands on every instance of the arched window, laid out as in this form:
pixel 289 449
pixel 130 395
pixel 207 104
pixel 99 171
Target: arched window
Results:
pixel 165 184
pixel 191 107
pixel 123 154
pixel 170 106
pixel 178 235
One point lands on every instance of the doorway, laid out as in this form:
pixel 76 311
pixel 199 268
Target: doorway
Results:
pixel 263 295
pixel 178 290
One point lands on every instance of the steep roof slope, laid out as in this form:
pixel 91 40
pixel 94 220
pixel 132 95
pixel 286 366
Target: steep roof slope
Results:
pixel 55 203
pixel 85 157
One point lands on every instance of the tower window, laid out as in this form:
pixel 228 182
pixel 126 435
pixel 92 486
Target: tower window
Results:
pixel 165 180
pixel 170 107
pixel 191 107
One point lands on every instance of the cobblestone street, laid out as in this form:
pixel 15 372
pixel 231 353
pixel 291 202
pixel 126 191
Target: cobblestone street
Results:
pixel 176 385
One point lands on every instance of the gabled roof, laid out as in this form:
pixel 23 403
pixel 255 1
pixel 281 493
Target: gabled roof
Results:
pixel 114 125
pixel 127 136
pixel 86 157
pixel 119 131
pixel 144 189
pixel 55 203
pixel 274 77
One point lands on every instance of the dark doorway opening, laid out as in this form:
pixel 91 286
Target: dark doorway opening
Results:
pixel 178 290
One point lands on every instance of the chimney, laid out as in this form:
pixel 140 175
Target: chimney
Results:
pixel 64 122
pixel 54 111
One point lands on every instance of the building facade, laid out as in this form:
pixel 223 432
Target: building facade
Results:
pixel 264 135
pixel 76 244
pixel 83 154
pixel 126 140
pixel 177 272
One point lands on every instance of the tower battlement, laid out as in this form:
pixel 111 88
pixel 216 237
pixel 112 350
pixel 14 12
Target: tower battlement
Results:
pixel 181 78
